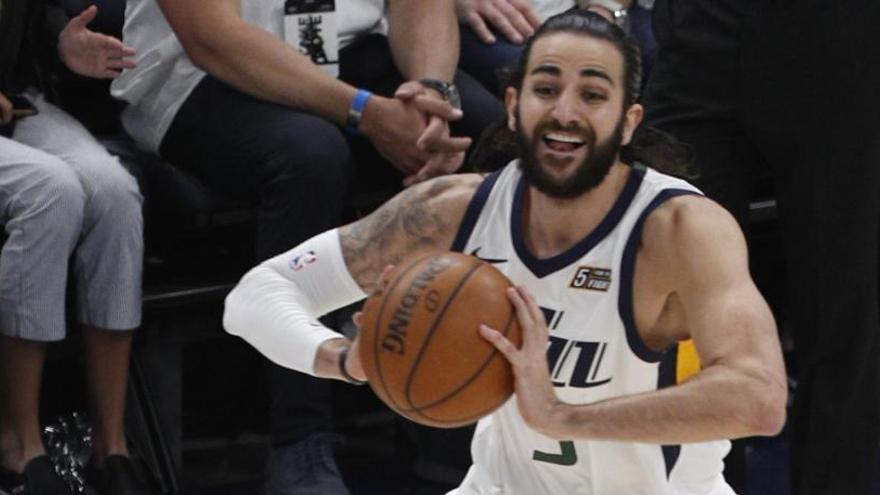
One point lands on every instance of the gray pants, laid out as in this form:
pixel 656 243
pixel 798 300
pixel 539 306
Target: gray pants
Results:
pixel 66 203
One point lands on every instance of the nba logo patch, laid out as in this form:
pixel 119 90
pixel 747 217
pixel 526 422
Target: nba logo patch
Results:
pixel 588 277
pixel 299 262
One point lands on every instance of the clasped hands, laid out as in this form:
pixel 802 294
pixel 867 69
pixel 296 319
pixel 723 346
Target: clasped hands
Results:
pixel 411 131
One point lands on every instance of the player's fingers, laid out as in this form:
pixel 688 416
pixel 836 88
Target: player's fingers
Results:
pixel 522 310
pixel 501 343
pixel 353 360
pixel 357 318
pixel 478 26
pixel 537 315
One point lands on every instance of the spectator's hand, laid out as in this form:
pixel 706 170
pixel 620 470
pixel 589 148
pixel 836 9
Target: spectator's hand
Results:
pixel 515 19
pixel 394 127
pixel 92 54
pixel 5 110
pixel 438 112
pixel 446 152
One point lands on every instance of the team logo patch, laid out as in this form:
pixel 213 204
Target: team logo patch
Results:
pixel 300 262
pixel 591 278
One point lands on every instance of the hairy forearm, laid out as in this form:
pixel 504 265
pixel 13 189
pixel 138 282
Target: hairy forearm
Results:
pixel 715 404
pixel 257 63
pixel 424 38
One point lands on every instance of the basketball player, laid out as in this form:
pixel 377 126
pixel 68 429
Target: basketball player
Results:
pixel 646 344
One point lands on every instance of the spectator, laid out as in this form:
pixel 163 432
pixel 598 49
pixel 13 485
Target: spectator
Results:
pixel 218 92
pixel 791 86
pixel 63 197
pixel 493 31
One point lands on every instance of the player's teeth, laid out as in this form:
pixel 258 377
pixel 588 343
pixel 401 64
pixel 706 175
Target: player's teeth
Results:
pixel 564 138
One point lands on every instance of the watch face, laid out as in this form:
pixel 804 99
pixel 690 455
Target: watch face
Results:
pixel 447 89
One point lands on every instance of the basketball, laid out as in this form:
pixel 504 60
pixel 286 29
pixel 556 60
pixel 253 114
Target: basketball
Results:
pixel 420 344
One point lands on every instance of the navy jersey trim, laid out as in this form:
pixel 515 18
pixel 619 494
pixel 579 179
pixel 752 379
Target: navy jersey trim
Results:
pixel 627 270
pixel 541 268
pixel 670 457
pixel 474 208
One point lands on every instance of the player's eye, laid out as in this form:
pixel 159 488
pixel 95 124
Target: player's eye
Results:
pixel 544 90
pixel 594 96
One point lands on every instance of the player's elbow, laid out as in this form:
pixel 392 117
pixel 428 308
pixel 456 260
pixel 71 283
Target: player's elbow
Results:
pixel 232 308
pixel 237 305
pixel 766 411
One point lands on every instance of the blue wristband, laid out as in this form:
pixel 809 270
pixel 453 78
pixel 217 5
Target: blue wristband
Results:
pixel 356 111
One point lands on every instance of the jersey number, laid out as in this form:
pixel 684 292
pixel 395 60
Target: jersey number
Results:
pixel 567 457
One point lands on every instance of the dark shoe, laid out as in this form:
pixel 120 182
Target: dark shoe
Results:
pixel 39 478
pixel 117 476
pixel 305 468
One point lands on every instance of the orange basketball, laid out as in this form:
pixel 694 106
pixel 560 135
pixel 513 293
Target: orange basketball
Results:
pixel 420 344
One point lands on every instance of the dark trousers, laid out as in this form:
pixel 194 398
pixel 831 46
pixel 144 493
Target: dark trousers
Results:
pixel 296 167
pixel 791 86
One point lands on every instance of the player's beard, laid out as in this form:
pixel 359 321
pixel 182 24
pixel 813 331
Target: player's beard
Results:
pixel 590 173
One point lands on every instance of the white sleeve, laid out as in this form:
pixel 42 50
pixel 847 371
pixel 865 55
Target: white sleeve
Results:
pixel 275 307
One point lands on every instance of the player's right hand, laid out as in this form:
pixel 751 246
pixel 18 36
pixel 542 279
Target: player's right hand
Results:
pixel 533 388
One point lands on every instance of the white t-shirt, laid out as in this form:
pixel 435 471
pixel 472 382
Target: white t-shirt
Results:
pixel 164 76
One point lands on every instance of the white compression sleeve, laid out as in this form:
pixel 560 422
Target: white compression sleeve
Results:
pixel 275 307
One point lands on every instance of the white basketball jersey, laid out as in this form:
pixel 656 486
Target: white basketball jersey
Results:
pixel 594 353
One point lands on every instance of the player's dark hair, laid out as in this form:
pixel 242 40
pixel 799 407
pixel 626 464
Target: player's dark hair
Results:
pixel 498 144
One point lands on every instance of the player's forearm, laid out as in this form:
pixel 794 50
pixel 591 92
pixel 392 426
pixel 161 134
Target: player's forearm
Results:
pixel 259 64
pixel 275 307
pixel 717 403
pixel 424 38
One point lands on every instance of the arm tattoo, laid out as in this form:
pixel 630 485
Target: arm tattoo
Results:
pixel 406 224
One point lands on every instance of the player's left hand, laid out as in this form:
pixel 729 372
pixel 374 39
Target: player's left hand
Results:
pixel 353 360
pixel 92 54
pixel 535 397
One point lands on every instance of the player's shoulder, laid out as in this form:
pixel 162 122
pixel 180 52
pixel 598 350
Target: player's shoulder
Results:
pixel 449 193
pixel 688 223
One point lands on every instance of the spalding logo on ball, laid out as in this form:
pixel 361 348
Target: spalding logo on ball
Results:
pixel 420 344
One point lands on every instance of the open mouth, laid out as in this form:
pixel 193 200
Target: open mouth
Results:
pixel 562 142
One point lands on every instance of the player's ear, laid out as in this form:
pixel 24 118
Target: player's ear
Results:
pixel 510 97
pixel 633 118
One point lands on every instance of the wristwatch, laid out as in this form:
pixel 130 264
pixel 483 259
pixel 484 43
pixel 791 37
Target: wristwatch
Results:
pixel 618 11
pixel 447 89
